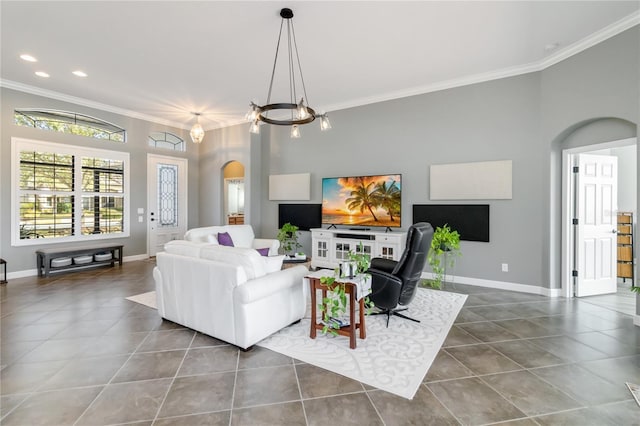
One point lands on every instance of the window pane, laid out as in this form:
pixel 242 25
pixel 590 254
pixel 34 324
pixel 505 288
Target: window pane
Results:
pixel 69 122
pixel 46 216
pixel 101 175
pixel 46 171
pixel 166 140
pixel 102 215
pixel 167 195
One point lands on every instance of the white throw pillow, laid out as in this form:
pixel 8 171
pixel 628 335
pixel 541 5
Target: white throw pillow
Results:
pixel 211 238
pixel 273 263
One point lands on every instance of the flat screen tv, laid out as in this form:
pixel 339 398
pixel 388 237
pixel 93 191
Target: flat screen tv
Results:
pixel 470 220
pixel 362 200
pixel 304 216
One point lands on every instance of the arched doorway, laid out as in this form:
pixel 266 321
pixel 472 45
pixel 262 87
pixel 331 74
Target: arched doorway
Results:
pixel 604 136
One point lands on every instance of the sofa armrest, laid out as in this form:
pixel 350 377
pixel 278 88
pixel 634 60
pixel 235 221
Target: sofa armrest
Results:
pixel 269 284
pixel 270 243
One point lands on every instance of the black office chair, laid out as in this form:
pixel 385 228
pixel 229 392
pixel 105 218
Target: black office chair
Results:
pixel 394 283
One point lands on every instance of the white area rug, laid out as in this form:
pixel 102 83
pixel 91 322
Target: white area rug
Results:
pixel 393 359
pixel 147 299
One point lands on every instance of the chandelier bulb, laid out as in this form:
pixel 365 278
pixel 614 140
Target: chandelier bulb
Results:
pixel 252 114
pixel 325 124
pixel 255 127
pixel 302 110
pixel 295 132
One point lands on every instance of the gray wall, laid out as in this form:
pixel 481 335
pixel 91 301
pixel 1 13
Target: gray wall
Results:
pixel 23 258
pixel 589 98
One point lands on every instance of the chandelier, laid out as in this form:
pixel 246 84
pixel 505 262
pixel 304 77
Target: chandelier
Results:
pixel 197 132
pixel 299 112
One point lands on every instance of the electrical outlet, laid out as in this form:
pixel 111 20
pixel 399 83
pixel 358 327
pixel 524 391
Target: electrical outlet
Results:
pixel 505 267
pixel 140 219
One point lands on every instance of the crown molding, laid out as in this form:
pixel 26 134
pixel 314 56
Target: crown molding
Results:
pixel 598 37
pixel 9 84
pixel 593 39
pixel 605 33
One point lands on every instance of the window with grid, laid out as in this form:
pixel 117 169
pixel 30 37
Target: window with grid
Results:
pixel 67 193
pixel 69 122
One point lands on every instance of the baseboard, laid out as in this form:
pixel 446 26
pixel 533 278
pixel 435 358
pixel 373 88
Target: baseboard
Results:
pixel 636 320
pixel 135 258
pixel 34 272
pixel 501 285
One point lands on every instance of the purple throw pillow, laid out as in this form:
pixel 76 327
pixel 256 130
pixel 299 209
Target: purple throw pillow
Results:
pixel 264 251
pixel 224 239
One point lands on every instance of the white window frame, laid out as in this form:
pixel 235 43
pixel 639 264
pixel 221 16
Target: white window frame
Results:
pixel 21 144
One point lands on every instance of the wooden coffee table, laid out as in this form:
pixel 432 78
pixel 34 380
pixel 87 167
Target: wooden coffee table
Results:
pixel 351 290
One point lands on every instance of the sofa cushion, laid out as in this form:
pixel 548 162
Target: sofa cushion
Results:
pixel 224 239
pixel 273 263
pixel 212 239
pixel 185 248
pixel 249 259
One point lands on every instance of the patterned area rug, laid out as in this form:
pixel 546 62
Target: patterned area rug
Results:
pixel 393 359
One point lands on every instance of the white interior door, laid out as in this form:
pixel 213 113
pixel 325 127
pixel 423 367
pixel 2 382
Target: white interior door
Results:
pixel 596 239
pixel 167 200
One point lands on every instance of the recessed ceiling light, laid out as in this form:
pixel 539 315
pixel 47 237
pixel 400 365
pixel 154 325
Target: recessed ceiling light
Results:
pixel 79 73
pixel 42 74
pixel 28 58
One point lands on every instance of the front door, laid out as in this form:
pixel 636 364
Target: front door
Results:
pixel 167 200
pixel 595 237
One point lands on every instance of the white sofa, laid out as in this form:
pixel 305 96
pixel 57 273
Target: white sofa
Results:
pixel 226 292
pixel 242 236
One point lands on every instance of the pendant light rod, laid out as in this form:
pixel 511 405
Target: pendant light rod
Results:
pixel 301 112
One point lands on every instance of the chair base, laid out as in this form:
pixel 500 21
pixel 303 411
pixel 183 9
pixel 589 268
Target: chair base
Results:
pixel 396 312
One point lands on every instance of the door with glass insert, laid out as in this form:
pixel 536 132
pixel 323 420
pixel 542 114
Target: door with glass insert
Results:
pixel 167 201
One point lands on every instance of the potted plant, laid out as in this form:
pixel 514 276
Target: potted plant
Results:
pixel 288 237
pixel 334 305
pixel 445 247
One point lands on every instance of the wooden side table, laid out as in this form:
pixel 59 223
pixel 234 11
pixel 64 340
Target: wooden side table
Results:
pixel 351 289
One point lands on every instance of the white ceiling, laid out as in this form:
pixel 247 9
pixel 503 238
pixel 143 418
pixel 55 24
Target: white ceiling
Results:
pixel 159 60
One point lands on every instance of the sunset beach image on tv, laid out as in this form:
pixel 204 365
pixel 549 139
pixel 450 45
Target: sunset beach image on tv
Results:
pixel 362 200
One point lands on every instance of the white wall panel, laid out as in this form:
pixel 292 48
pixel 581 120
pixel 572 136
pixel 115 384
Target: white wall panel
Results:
pixel 483 180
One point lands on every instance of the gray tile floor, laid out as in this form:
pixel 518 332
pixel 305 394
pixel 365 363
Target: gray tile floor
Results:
pixel 74 351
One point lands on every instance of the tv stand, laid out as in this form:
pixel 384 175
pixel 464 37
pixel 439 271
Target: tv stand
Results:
pixel 359 229
pixel 330 247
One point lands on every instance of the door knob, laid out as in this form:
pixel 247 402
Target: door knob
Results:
pixel 614 231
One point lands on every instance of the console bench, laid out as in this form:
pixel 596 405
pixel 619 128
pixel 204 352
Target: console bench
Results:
pixel 46 256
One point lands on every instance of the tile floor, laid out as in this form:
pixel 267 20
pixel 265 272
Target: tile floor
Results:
pixel 75 352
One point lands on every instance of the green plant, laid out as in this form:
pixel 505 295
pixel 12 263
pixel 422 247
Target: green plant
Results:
pixel 362 260
pixel 288 237
pixel 445 247
pixel 333 305
pixel 635 289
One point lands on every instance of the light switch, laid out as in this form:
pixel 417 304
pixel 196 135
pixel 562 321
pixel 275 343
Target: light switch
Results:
pixel 140 210
pixel 140 219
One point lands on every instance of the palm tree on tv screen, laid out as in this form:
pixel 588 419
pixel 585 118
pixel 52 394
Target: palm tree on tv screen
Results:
pixel 388 197
pixel 363 198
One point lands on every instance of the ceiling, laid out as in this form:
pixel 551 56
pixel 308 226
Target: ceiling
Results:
pixel 162 60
